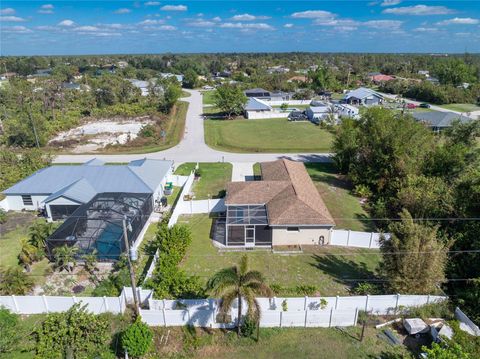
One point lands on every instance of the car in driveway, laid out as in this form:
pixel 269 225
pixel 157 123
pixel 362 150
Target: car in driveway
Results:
pixel 424 105
pixel 297 115
pixel 411 106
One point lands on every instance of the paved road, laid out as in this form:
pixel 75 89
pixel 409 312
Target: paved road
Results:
pixel 192 147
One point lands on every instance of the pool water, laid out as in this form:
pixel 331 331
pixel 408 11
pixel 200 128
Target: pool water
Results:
pixel 108 244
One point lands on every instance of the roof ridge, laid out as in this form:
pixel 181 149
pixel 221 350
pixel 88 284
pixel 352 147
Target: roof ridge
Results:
pixel 140 178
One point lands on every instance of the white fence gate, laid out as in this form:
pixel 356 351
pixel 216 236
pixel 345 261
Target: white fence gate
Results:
pixel 346 238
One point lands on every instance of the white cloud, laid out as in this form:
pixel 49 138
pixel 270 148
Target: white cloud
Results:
pixel 425 29
pixel 248 17
pixel 419 10
pixel 46 9
pixel 7 11
pixel 383 24
pixel 122 11
pixel 217 18
pixel 66 23
pixel 459 21
pixel 16 29
pixel 152 3
pixel 167 27
pixel 335 22
pixel 288 26
pixel 202 23
pixel 151 22
pixel 241 25
pixel 174 8
pixel 11 19
pixel 87 28
pixel 390 2
pixel 313 14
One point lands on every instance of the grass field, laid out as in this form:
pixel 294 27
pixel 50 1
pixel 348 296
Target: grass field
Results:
pixel 213 178
pixel 174 133
pixel 208 97
pixel 269 135
pixel 462 107
pixel 185 94
pixel 322 267
pixel 344 207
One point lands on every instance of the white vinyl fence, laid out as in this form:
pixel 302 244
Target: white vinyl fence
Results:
pixel 288 102
pixel 179 207
pixel 340 237
pixel 466 324
pixel 262 115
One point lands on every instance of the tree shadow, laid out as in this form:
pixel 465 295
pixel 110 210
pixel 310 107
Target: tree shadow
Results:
pixel 342 269
pixel 328 174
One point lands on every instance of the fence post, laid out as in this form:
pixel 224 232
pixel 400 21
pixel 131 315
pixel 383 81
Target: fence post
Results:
pixel 208 205
pixel 330 320
pixel 305 303
pixel 15 304
pixel 355 319
pixel 396 303
pixel 371 239
pixel 366 303
pixel 105 303
pixel 45 303
pixel 191 207
pixel 164 317
pixel 306 313
pixel 348 237
pixel 336 302
pixel 188 315
pixel 428 299
pixel 163 302
pixel 281 316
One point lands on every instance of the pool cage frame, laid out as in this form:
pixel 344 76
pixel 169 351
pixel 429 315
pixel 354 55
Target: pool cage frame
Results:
pixel 89 227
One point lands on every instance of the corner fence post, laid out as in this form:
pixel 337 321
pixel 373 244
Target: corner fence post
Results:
pixel 355 319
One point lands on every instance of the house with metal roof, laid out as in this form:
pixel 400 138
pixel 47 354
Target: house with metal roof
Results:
pixel 283 209
pixel 255 106
pixel 60 190
pixel 363 96
pixel 438 120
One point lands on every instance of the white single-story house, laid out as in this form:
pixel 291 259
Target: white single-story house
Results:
pixel 318 113
pixel 61 189
pixel 255 106
pixel 345 110
pixel 166 75
pixel 363 96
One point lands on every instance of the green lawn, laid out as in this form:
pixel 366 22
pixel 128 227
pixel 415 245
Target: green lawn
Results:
pixel 10 246
pixel 322 266
pixel 208 97
pixel 213 178
pixel 336 192
pixel 186 94
pixel 269 135
pixel 462 107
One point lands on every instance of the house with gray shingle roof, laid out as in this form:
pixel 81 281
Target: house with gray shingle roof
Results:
pixel 283 209
pixel 363 96
pixel 61 189
pixel 438 120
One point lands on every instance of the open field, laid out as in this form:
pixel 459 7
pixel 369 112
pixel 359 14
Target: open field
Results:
pixel 322 267
pixel 213 178
pixel 461 107
pixel 269 135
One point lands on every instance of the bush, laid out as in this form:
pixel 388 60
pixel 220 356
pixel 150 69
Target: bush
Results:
pixel 3 216
pixel 8 331
pixel 13 281
pixel 136 339
pixel 366 288
pixel 248 327
pixel 305 289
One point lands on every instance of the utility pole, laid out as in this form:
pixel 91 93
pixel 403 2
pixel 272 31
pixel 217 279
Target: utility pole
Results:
pixel 33 125
pixel 130 267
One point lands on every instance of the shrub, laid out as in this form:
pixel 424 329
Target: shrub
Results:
pixel 13 281
pixel 8 330
pixel 432 310
pixel 3 216
pixel 136 339
pixel 248 327
pixel 306 289
pixel 284 305
pixel 366 288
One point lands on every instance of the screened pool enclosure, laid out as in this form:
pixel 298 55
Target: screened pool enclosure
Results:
pixel 247 225
pixel 97 226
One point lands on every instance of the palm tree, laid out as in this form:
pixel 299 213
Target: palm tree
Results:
pixel 38 233
pixel 241 284
pixel 13 281
pixel 28 254
pixel 65 257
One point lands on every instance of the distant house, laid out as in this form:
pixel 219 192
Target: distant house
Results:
pixel 378 77
pixel 43 73
pixel 268 95
pixel 7 75
pixel 433 80
pixel 298 79
pixel 425 73
pixel 71 86
pixel 122 64
pixel 363 96
pixel 60 190
pixel 254 106
pixel 166 75
pixel 345 110
pixel 278 70
pixel 283 209
pixel 142 85
pixel 438 121
pixel 318 113
pixel 257 93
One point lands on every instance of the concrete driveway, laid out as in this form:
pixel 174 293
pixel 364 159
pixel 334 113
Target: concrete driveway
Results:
pixel 192 148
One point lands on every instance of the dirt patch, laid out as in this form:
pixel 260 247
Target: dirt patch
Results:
pixel 15 220
pixel 92 136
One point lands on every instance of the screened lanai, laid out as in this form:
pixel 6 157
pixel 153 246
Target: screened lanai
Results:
pixel 97 226
pixel 247 225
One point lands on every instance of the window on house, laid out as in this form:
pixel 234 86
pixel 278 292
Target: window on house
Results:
pixel 27 200
pixel 293 229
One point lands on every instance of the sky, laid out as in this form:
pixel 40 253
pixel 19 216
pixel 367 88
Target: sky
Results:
pixel 121 27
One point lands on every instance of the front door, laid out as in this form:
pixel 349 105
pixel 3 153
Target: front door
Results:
pixel 249 236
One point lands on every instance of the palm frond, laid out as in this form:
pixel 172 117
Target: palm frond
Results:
pixel 243 266
pixel 260 289
pixel 222 280
pixel 253 311
pixel 227 301
pixel 252 276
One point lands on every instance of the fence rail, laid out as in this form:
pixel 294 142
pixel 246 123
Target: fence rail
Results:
pixel 340 237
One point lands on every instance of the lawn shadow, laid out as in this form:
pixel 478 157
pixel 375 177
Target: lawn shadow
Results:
pixel 342 269
pixel 328 174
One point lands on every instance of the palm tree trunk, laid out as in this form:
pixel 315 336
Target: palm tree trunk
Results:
pixel 239 316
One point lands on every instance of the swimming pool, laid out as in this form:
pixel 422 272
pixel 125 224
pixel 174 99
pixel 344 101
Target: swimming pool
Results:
pixel 108 243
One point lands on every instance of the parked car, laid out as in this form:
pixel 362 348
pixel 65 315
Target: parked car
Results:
pixel 411 106
pixel 297 116
pixel 425 105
